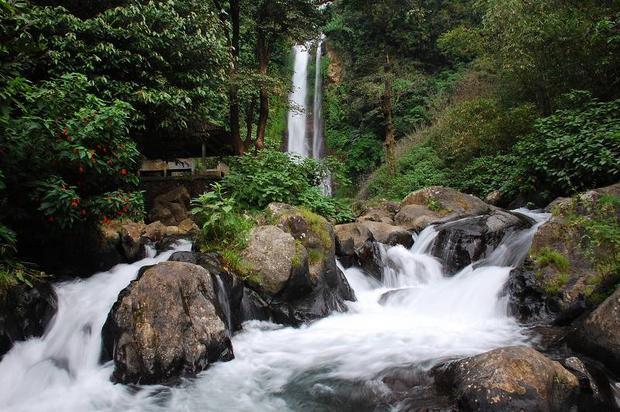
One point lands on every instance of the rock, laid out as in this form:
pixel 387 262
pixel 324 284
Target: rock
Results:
pixel 25 312
pixel 382 213
pixel 188 227
pixel 437 204
pixel 389 234
pixel 370 258
pixel 292 267
pixel 132 241
pixel 349 238
pixel 165 325
pixel 271 254
pixel 171 208
pixel 586 382
pixel 154 232
pixel 494 198
pixel 462 242
pixel 564 270
pixel 526 300
pixel 515 378
pixel 356 244
pixel 599 334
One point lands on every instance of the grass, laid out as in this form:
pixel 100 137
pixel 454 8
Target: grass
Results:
pixel 549 257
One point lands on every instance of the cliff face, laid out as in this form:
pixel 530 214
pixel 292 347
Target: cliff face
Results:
pixel 335 68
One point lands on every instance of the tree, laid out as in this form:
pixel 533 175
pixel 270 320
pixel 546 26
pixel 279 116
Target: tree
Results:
pixel 296 20
pixel 169 60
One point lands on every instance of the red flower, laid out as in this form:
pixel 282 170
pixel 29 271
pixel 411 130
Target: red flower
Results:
pixel 50 218
pixel 83 212
pixel 123 172
pixel 81 169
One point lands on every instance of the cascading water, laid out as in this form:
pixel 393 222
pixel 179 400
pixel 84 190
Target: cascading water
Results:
pixel 297 118
pixel 416 316
pixel 317 107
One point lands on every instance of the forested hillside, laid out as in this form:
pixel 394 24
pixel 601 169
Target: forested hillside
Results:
pixel 515 96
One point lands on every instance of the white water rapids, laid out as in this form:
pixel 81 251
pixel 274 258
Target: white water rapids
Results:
pixel 426 317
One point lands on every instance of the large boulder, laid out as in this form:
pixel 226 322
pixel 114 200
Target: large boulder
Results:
pixel 171 208
pixel 462 242
pixel 509 379
pixel 566 271
pixel 25 312
pixel 272 255
pixel 165 325
pixel 437 204
pixel 291 266
pixel 599 334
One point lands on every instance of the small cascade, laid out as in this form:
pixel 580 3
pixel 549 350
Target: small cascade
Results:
pixel 418 315
pixel 222 298
pixel 297 116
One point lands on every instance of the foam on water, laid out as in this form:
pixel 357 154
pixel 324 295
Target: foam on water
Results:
pixel 425 317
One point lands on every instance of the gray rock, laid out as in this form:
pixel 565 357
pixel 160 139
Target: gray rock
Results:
pixel 437 204
pixel 165 325
pixel 515 378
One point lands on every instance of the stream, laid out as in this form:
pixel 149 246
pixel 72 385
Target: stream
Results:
pixel 416 316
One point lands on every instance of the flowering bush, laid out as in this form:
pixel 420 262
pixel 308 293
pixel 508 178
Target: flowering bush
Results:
pixel 67 156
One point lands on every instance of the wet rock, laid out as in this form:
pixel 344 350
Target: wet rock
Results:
pixel 171 208
pixel 132 242
pixel 25 312
pixel 599 334
pixel 165 325
pixel 292 266
pixel 509 379
pixel 526 300
pixel 437 204
pixel 462 242
pixel 369 257
pixel 587 384
pixel 389 234
pixel 564 269
pixel 350 237
pixel 271 255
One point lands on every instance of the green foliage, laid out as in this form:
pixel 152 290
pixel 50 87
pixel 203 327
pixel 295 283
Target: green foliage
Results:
pixel 544 49
pixel 73 153
pixel 572 150
pixel 167 59
pixel 550 257
pixel 419 167
pixel 224 226
pixel 478 127
pixel 255 180
pixel 598 219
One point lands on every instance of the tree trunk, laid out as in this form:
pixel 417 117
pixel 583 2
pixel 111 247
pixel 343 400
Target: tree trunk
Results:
pixel 390 138
pixel 234 117
pixel 249 121
pixel 262 52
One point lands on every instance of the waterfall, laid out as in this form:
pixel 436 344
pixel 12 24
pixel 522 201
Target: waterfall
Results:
pixel 297 115
pixel 416 316
pixel 317 108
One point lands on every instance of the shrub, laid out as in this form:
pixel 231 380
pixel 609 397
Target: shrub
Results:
pixel 255 180
pixel 419 167
pixel 572 150
pixel 73 153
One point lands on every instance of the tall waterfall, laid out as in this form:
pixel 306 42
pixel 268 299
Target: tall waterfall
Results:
pixel 317 108
pixel 297 116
